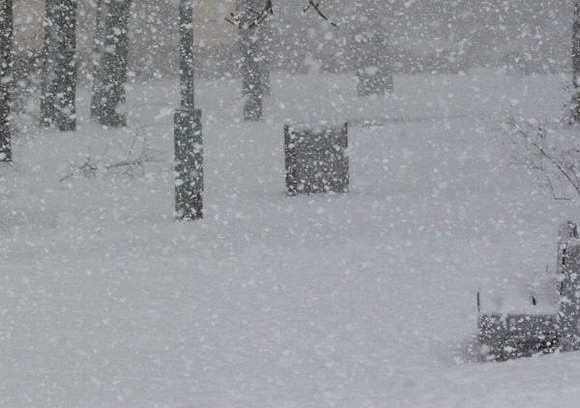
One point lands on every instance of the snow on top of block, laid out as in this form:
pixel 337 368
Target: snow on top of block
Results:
pixel 316 126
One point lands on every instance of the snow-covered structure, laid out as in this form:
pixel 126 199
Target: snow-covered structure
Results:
pixel 512 335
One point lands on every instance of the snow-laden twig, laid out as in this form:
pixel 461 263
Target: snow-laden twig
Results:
pixel 91 167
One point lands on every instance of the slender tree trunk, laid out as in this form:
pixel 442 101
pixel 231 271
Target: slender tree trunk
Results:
pixel 186 54
pixel 576 63
pixel 6 76
pixel 66 67
pixel 188 139
pixel 100 35
pixel 48 91
pixel 57 102
pixel 109 97
pixel 251 56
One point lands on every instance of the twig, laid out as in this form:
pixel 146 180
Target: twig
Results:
pixel 316 6
pixel 542 151
pixel 90 167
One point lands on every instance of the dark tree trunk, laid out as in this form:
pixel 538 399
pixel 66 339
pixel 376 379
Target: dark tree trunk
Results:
pixel 57 103
pixel 48 92
pixel 109 96
pixel 188 139
pixel 66 67
pixel 186 54
pixel 576 63
pixel 252 73
pixel 6 63
pixel 97 56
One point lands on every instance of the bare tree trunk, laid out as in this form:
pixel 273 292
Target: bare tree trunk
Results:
pixel 57 102
pixel 188 138
pixel 97 56
pixel 251 71
pixel 48 91
pixel 186 54
pixel 109 97
pixel 576 63
pixel 66 67
pixel 6 79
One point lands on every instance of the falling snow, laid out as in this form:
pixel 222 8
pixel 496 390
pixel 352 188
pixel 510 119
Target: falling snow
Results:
pixel 362 296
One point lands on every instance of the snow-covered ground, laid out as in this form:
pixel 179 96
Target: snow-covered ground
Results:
pixel 359 300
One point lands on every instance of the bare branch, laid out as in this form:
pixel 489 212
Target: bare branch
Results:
pixel 568 172
pixel 316 6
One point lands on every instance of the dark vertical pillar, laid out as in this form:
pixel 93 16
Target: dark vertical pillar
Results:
pixel 57 102
pixel 186 54
pixel 187 128
pixel 6 63
pixel 48 91
pixel 576 63
pixel 66 67
pixel 250 52
pixel 109 96
pixel 188 165
pixel 97 57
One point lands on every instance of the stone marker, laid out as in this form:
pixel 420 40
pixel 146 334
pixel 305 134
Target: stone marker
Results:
pixel 316 159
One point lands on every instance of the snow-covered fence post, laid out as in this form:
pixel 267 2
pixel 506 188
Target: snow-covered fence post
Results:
pixel 6 64
pixel 187 128
pixel 109 97
pixel 251 70
pixel 316 159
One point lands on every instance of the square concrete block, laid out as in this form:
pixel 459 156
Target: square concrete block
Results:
pixel 316 158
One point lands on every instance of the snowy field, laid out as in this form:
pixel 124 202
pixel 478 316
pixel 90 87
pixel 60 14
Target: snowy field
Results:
pixel 348 301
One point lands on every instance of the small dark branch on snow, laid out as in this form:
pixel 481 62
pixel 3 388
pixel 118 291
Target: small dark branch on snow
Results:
pixel 91 167
pixel 316 6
